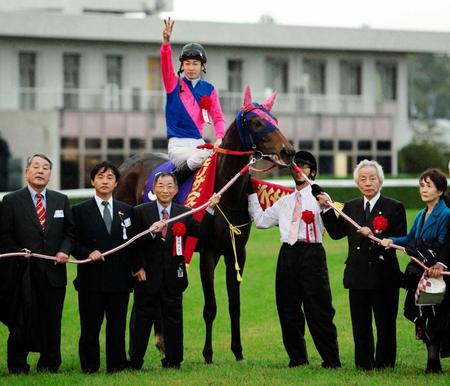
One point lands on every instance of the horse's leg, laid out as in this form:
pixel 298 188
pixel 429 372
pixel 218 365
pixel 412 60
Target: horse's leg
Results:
pixel 208 262
pixel 234 302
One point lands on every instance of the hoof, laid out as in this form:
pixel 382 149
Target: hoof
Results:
pixel 239 357
pixel 208 357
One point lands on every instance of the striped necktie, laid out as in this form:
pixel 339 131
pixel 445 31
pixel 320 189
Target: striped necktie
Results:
pixel 40 210
pixel 295 224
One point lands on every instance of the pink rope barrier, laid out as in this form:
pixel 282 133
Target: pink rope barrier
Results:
pixel 139 235
pixel 357 226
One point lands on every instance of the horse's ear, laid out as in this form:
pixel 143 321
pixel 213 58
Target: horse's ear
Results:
pixel 268 103
pixel 247 97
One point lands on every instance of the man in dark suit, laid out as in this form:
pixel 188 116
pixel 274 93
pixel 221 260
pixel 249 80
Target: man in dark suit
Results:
pixel 372 273
pixel 104 285
pixel 160 271
pixel 39 220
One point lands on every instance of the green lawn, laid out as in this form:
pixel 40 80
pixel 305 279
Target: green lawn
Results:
pixel 265 358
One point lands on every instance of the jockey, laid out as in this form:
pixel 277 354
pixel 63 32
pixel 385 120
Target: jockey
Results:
pixel 191 102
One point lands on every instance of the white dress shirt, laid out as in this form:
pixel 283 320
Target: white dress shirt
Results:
pixel 280 213
pixel 372 202
pixel 101 207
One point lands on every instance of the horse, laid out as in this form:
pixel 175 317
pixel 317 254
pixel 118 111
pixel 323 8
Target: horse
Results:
pixel 254 128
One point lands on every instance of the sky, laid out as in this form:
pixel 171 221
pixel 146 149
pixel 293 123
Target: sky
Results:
pixel 425 15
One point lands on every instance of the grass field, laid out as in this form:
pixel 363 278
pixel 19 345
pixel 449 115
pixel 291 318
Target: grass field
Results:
pixel 265 358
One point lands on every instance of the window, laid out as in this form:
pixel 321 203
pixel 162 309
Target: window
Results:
pixel 89 162
pixel 386 81
pixel 69 143
pixel 159 143
pixel 350 78
pixel 235 75
pixel 345 145
pixel 386 163
pixel 305 145
pixel 71 63
pixel 314 76
pixel 276 74
pixel 364 145
pixel 326 164
pixel 114 70
pixel 383 145
pixel 115 143
pixel 69 172
pixel 137 143
pixel 326 144
pixel 92 143
pixel 27 80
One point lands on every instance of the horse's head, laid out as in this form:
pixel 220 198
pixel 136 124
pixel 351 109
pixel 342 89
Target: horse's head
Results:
pixel 258 130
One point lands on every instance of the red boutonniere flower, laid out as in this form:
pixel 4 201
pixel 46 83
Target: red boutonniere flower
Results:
pixel 379 224
pixel 205 102
pixel 178 229
pixel 307 216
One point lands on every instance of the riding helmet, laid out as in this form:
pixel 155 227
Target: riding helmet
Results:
pixel 193 51
pixel 304 157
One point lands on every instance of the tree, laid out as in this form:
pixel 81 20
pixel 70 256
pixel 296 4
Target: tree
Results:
pixel 415 158
pixel 429 86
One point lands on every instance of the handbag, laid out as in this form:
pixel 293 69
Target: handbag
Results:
pixel 430 291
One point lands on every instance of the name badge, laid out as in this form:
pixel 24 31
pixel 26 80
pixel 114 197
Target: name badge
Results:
pixel 127 222
pixel 59 213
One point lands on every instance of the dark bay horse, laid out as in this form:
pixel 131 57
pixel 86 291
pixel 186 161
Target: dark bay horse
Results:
pixel 253 129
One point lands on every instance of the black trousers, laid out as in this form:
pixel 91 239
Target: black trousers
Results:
pixel 383 305
pixel 302 280
pixel 46 328
pixel 94 306
pixel 148 309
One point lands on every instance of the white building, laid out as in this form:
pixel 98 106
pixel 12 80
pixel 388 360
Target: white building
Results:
pixel 84 87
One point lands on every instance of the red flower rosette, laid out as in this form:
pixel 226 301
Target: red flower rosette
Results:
pixel 178 229
pixel 307 216
pixel 205 102
pixel 379 224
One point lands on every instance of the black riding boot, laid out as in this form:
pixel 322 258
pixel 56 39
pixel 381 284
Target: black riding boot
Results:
pixel 183 172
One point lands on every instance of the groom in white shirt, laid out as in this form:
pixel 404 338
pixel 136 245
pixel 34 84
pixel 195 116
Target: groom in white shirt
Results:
pixel 302 283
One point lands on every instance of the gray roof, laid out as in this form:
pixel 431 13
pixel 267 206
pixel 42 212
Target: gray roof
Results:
pixel 96 27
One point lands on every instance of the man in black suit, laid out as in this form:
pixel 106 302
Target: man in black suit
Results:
pixel 104 285
pixel 160 271
pixel 39 220
pixel 372 273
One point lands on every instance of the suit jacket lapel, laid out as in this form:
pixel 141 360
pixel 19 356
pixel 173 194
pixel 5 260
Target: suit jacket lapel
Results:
pixel 430 221
pixel 50 209
pixel 29 208
pixel 97 216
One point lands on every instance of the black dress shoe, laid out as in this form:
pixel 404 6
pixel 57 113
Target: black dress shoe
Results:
pixel 433 366
pixel 331 365
pixel 134 365
pixel 170 365
pixel 295 363
pixel 19 369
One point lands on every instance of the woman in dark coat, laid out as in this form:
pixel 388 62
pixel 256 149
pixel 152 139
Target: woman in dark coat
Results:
pixel 425 241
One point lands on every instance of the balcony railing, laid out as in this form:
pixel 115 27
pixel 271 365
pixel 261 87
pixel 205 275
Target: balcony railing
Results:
pixel 111 98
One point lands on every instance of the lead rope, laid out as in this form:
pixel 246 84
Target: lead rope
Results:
pixel 234 230
pixel 143 233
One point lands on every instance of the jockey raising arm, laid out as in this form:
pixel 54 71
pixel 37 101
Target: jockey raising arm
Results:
pixel 191 102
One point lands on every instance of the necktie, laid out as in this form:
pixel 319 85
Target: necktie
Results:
pixel 367 211
pixel 295 224
pixel 107 216
pixel 165 216
pixel 40 210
